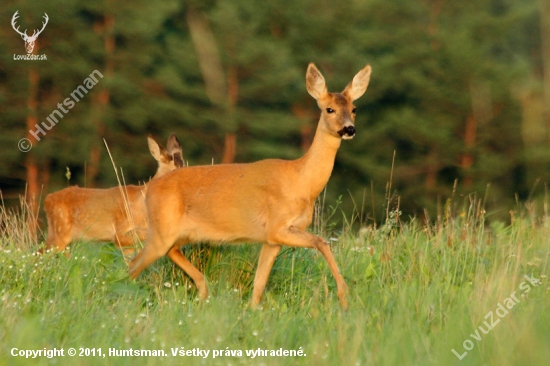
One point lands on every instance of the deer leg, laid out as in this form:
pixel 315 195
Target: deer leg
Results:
pixel 179 259
pixel 268 254
pixel 57 241
pixel 59 231
pixel 150 253
pixel 50 241
pixel 297 238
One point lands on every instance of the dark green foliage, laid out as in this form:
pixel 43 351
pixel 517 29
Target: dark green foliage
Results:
pixel 436 66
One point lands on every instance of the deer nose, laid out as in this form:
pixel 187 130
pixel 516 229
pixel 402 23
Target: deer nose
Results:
pixel 349 130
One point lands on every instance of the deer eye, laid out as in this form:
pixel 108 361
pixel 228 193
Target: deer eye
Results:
pixel 353 110
pixel 330 110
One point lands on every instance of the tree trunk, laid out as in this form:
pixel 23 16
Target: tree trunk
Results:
pixel 230 148
pixel 221 94
pixel 230 145
pixel 433 169
pixel 309 119
pixel 433 26
pixel 101 102
pixel 467 159
pixel 436 7
pixel 33 189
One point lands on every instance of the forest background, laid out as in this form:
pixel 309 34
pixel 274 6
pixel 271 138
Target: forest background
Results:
pixel 458 104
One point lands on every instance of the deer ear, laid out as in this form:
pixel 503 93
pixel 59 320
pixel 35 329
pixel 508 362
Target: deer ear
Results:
pixel 173 144
pixel 174 148
pixel 315 82
pixel 359 84
pixel 158 152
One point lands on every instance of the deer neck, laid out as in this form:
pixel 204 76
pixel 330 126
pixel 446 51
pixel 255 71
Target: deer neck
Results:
pixel 318 162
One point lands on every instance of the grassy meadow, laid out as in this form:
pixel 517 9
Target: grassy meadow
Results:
pixel 438 294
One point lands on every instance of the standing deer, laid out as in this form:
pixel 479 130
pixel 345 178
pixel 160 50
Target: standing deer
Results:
pixel 269 201
pixel 29 41
pixel 113 214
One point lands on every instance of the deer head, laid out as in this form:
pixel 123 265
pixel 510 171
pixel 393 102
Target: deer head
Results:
pixel 29 41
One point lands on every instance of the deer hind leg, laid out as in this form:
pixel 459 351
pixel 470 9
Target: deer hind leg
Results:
pixel 297 238
pixel 179 259
pixel 268 254
pixel 59 231
pixel 50 240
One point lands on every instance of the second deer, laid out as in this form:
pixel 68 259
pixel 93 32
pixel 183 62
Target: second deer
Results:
pixel 115 214
pixel 269 201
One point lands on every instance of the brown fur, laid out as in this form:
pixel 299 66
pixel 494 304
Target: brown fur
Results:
pixel 269 201
pixel 101 214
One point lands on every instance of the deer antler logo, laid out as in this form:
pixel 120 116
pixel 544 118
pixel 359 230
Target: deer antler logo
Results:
pixel 29 41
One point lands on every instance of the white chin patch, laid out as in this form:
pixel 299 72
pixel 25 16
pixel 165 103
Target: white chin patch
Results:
pixel 346 137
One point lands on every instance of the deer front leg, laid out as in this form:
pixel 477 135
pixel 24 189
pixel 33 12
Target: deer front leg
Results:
pixel 268 254
pixel 292 236
pixel 150 253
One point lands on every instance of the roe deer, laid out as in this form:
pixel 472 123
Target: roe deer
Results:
pixel 104 214
pixel 269 201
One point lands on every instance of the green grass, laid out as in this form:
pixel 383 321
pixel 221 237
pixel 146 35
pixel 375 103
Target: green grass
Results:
pixel 416 292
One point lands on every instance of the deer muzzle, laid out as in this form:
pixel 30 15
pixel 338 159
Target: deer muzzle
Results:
pixel 347 132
